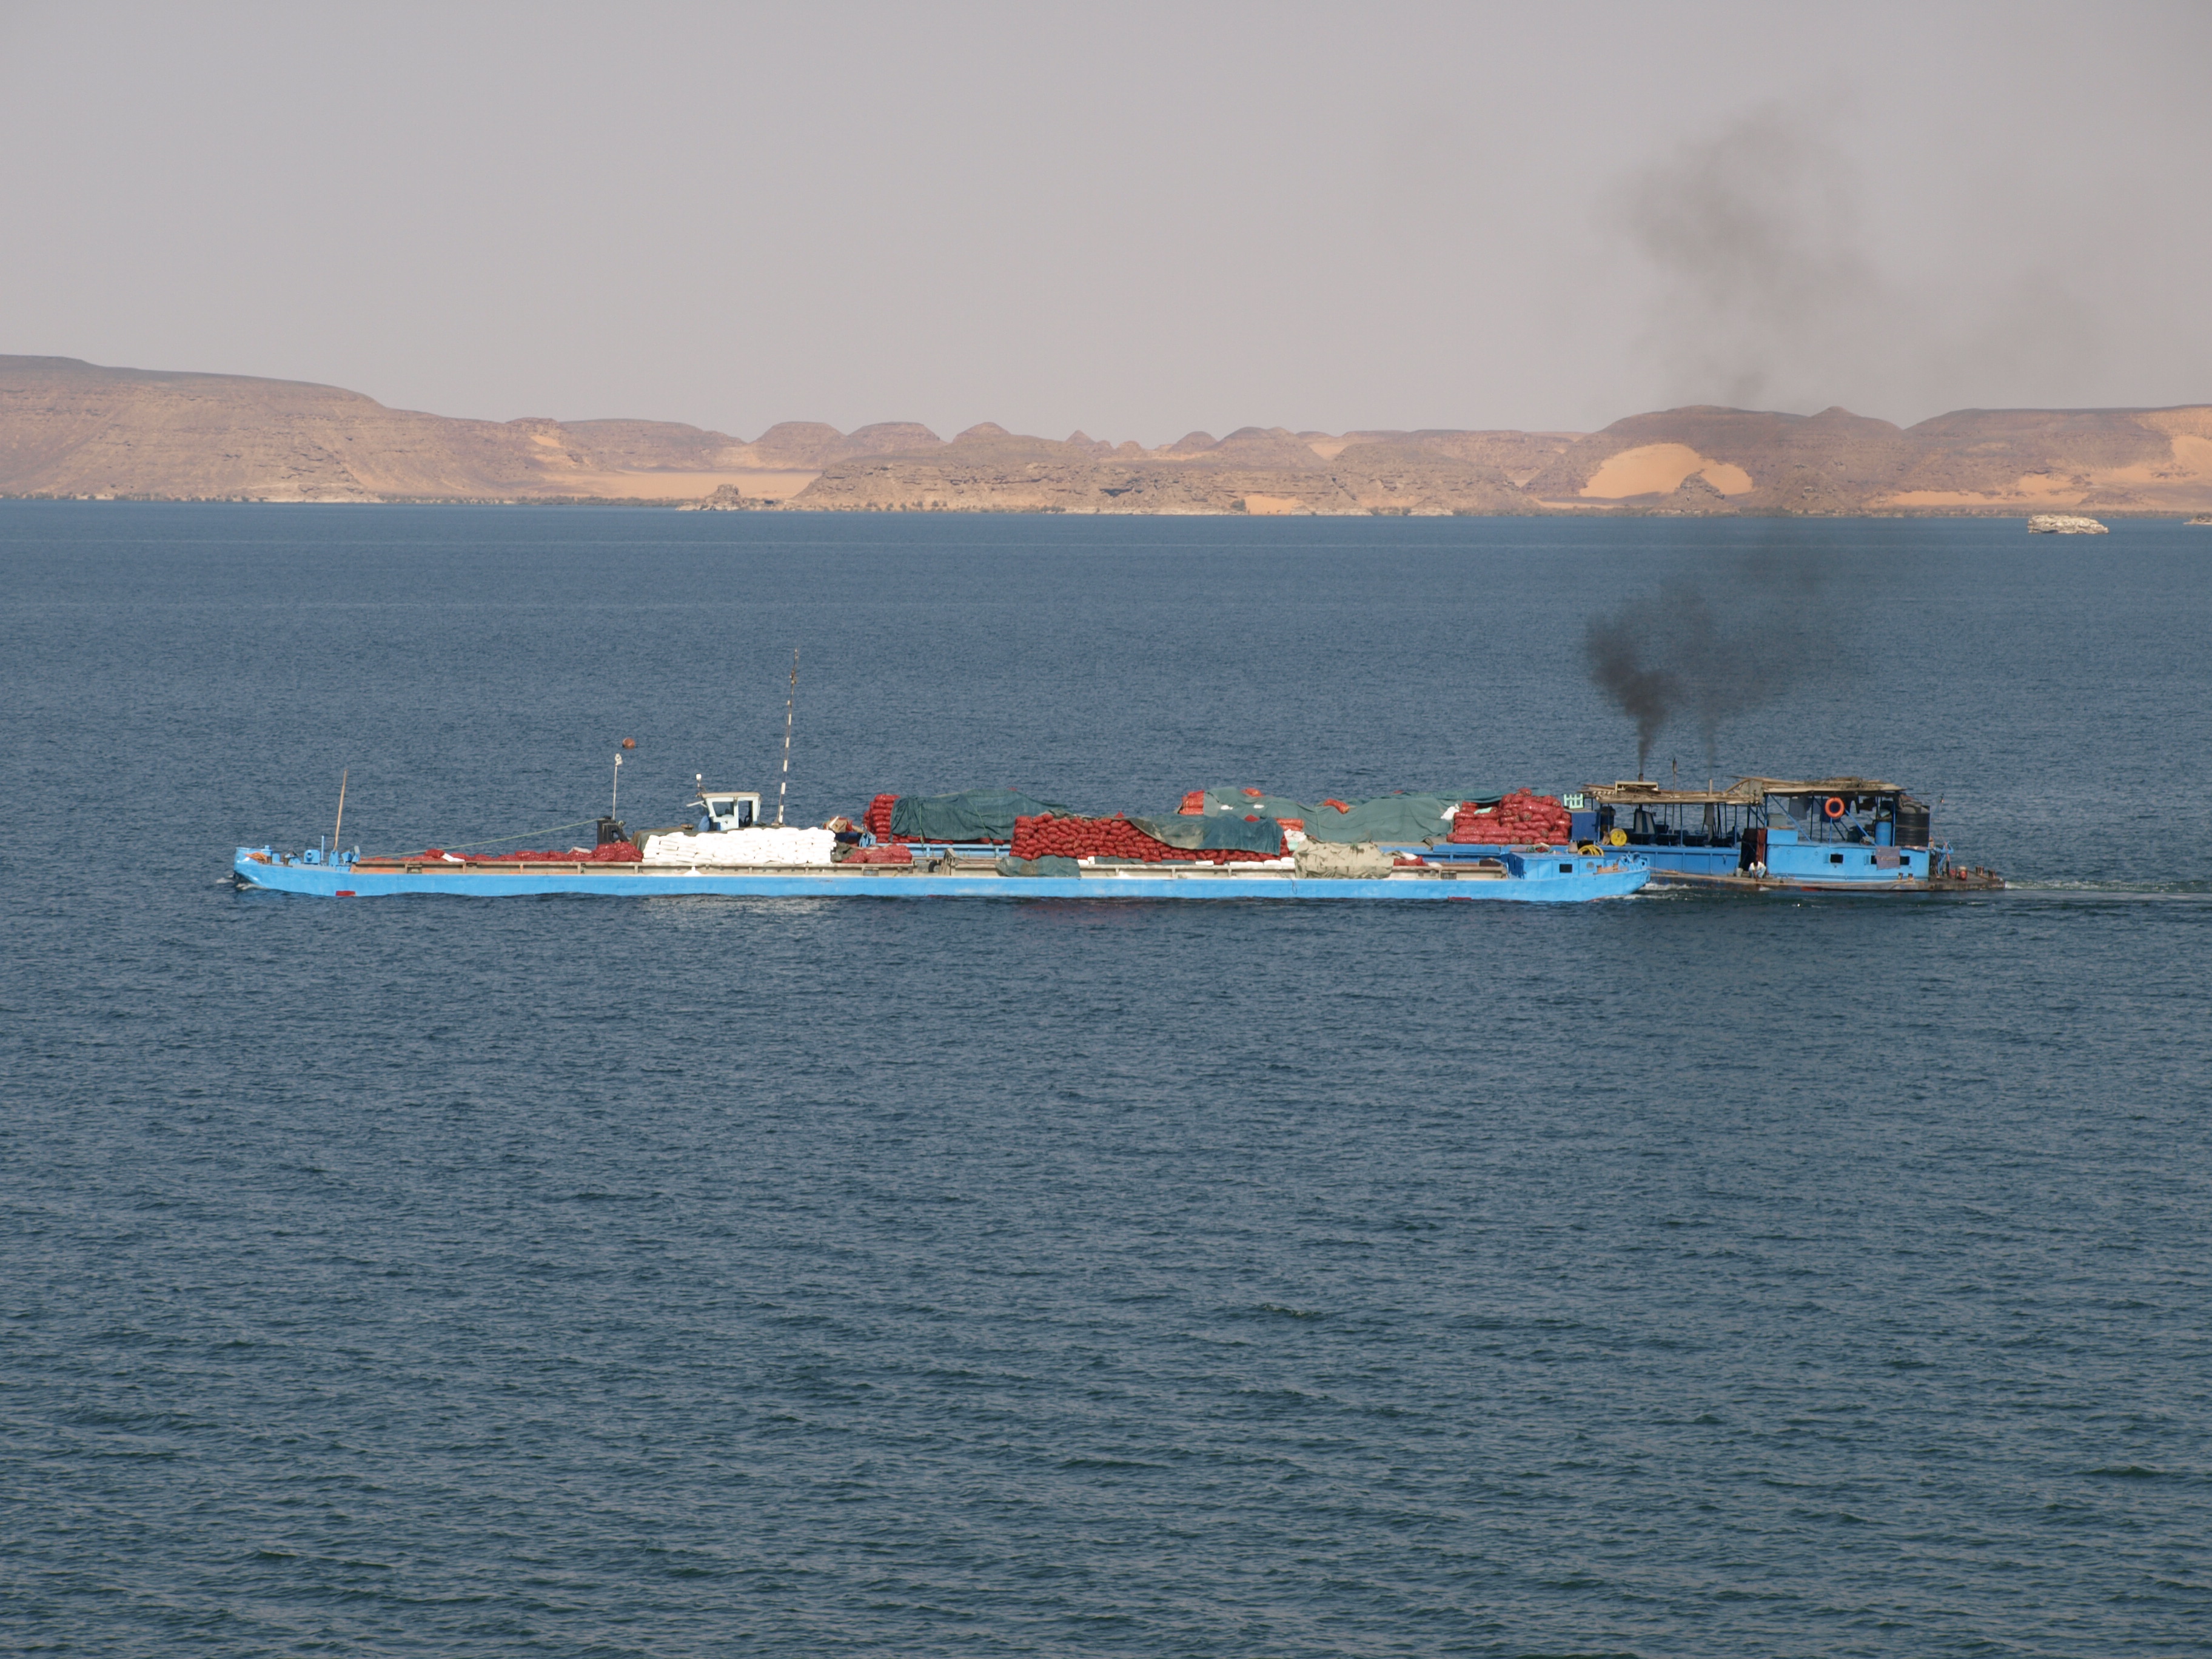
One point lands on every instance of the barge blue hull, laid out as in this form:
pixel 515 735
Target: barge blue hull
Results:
pixel 1537 881
pixel 1794 866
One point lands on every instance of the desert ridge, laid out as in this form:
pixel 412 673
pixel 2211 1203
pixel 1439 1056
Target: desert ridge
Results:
pixel 69 428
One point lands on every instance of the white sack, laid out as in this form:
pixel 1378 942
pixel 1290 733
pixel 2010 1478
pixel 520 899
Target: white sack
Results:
pixel 759 845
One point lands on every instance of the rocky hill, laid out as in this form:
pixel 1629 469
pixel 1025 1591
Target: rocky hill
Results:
pixel 1705 460
pixel 74 428
pixel 71 429
pixel 1251 470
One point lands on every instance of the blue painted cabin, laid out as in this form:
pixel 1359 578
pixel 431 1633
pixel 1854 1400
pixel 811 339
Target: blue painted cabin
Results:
pixel 1856 834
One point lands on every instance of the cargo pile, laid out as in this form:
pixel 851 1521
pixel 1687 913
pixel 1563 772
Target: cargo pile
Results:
pixel 763 844
pixel 889 853
pixel 1047 834
pixel 1521 819
pixel 966 817
pixel 615 852
pixel 877 820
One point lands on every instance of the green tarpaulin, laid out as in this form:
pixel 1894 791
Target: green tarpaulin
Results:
pixel 1401 817
pixel 1217 832
pixel 1386 818
pixel 971 816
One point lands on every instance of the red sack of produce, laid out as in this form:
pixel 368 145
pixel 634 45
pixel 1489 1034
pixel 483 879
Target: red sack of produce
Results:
pixel 1108 838
pixel 619 851
pixel 1522 818
pixel 889 855
pixel 1194 804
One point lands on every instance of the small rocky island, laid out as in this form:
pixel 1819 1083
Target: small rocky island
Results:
pixel 2064 523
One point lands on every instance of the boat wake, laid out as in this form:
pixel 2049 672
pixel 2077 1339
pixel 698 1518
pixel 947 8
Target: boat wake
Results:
pixel 2186 892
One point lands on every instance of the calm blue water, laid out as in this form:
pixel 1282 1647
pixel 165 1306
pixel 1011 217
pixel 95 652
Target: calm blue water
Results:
pixel 1676 1276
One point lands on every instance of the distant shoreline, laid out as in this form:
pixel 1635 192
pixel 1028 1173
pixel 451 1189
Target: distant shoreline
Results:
pixel 793 510
pixel 76 431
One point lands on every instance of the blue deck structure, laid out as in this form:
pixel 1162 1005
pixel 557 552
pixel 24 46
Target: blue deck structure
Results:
pixel 1842 835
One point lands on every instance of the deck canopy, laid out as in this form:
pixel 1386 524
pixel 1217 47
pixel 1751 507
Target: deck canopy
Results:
pixel 1744 791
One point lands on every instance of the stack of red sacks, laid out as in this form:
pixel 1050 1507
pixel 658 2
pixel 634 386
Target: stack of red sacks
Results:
pixel 1047 836
pixel 877 820
pixel 892 853
pixel 615 852
pixel 1521 819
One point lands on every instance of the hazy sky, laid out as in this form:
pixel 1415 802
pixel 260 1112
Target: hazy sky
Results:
pixel 1136 220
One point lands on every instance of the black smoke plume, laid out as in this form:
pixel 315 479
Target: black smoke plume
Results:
pixel 1769 293
pixel 1706 647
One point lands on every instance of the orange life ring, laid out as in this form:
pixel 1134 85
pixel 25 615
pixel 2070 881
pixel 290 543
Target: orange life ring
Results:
pixel 1833 806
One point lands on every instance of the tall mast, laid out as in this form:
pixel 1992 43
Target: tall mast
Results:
pixel 790 704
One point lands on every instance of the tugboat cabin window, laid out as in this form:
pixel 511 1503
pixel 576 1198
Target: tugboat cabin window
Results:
pixel 1846 811
pixel 730 812
pixel 1864 818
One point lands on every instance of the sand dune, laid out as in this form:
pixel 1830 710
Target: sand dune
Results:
pixel 1660 469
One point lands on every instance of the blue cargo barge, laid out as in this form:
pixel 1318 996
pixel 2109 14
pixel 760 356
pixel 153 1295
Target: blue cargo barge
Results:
pixel 943 873
pixel 729 850
pixel 1778 835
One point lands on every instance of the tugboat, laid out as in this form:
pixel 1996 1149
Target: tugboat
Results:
pixel 1778 834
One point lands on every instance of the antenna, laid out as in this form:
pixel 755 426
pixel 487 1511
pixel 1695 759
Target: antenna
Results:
pixel 789 706
pixel 340 828
pixel 614 806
